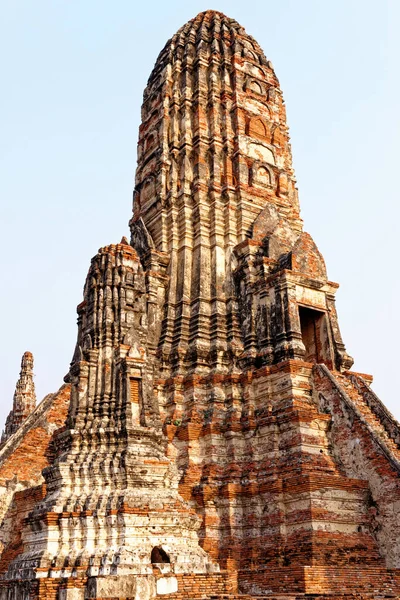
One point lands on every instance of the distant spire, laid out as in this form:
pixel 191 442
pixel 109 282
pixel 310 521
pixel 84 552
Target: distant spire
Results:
pixel 24 401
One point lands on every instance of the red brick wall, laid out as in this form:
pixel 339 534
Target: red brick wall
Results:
pixel 22 460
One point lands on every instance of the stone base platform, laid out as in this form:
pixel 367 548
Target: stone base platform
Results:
pixel 321 582
pixel 313 583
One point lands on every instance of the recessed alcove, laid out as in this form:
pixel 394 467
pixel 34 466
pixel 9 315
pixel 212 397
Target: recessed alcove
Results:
pixel 314 335
pixel 158 555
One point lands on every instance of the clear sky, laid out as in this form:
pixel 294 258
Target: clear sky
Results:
pixel 72 78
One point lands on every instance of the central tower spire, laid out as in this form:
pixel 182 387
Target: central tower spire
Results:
pixel 213 153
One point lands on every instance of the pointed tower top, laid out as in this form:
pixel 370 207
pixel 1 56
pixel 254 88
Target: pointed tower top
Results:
pixel 24 401
pixel 26 363
pixel 213 122
pixel 213 22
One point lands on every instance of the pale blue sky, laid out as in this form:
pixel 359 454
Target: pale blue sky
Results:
pixel 73 74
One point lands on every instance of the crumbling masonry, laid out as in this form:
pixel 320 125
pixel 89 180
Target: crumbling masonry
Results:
pixel 210 439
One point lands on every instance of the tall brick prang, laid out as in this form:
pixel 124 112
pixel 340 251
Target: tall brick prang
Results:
pixel 216 443
pixel 110 487
pixel 24 398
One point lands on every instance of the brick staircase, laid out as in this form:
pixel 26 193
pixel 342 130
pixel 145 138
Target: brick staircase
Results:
pixel 356 390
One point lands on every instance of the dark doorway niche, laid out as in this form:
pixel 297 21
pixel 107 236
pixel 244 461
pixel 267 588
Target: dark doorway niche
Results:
pixel 314 333
pixel 158 555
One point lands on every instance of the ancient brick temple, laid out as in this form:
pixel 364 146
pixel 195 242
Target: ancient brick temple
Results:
pixel 210 440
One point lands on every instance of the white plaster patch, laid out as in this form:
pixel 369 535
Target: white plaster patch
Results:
pixel 71 594
pixel 310 297
pixel 167 585
pixel 260 152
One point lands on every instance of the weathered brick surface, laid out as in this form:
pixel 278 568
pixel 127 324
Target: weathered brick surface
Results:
pixel 22 504
pixel 22 458
pixel 366 446
pixel 24 401
pixel 216 444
